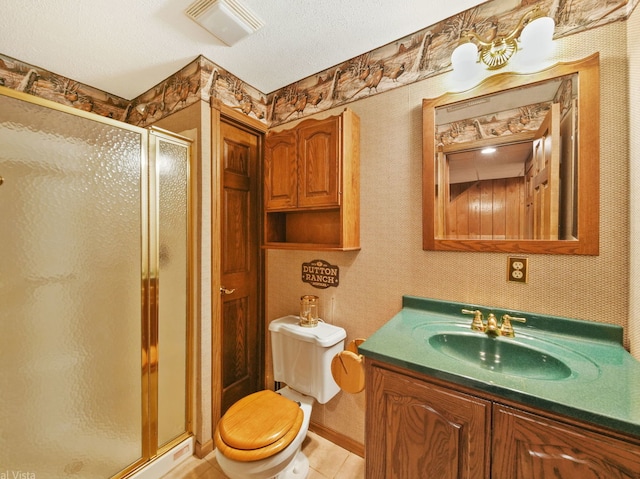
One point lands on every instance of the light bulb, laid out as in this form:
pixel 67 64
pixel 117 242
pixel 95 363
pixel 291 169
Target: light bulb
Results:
pixel 464 57
pixel 536 38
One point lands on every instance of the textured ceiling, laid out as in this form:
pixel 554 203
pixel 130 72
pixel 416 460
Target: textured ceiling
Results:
pixel 125 47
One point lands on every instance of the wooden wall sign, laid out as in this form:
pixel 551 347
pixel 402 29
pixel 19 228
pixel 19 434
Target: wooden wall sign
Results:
pixel 320 274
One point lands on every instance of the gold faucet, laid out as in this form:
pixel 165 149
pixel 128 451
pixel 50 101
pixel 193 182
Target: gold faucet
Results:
pixel 478 323
pixel 491 327
pixel 506 329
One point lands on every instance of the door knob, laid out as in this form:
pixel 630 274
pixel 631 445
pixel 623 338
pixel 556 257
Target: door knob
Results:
pixel 224 290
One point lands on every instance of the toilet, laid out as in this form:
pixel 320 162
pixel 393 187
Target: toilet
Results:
pixel 260 436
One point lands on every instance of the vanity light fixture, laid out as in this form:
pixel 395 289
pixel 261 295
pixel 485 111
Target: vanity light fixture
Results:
pixel 533 34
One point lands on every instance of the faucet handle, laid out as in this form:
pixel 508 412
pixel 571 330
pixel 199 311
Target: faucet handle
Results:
pixel 477 324
pixel 506 329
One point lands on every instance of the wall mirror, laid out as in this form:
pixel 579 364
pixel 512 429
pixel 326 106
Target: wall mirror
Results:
pixel 512 165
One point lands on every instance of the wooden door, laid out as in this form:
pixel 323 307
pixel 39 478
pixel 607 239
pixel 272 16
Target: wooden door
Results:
pixel 417 430
pixel 526 446
pixel 241 328
pixel 443 194
pixel 280 170
pixel 542 179
pixel 569 174
pixel 319 161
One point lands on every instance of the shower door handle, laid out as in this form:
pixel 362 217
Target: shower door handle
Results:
pixel 224 290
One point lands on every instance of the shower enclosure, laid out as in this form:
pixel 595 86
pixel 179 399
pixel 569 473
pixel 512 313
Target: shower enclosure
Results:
pixel 94 292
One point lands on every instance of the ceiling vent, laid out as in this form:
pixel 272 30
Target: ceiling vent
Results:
pixel 227 20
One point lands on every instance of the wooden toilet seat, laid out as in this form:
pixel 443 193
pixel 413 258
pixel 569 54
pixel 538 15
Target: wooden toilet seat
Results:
pixel 258 426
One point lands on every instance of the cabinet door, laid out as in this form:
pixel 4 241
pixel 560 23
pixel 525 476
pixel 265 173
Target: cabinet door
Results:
pixel 319 162
pixel 280 170
pixel 526 446
pixel 419 430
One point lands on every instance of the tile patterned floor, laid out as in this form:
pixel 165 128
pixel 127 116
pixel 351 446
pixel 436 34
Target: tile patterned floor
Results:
pixel 327 461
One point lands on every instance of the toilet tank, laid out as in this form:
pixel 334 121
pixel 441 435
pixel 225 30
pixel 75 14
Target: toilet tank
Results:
pixel 302 356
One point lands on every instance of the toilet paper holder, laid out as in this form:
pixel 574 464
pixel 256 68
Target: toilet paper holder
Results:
pixel 353 346
pixel 347 368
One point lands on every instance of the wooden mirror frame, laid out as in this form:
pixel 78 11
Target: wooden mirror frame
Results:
pixel 588 148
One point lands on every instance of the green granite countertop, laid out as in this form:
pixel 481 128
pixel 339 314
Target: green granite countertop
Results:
pixel 603 387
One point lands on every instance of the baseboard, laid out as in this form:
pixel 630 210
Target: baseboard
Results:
pixel 338 438
pixel 202 450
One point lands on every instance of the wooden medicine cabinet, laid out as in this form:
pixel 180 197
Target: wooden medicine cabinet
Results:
pixel 312 185
pixel 512 165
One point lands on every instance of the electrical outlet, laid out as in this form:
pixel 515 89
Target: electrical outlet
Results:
pixel 518 269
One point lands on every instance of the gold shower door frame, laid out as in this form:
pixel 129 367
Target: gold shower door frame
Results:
pixel 157 138
pixel 149 276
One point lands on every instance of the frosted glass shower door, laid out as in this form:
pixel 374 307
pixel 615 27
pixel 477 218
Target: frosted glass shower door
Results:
pixel 70 293
pixel 170 161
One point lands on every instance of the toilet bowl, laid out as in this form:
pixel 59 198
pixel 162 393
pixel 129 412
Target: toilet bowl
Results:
pixel 288 463
pixel 260 436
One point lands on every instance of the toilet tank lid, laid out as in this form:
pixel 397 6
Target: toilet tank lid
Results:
pixel 324 335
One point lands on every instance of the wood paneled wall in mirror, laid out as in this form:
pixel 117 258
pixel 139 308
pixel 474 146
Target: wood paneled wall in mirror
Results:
pixel 512 165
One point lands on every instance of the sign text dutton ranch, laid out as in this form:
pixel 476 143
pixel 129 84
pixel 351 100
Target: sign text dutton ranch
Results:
pixel 320 274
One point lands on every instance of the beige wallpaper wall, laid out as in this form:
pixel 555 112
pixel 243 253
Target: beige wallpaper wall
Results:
pixel 633 51
pixel 392 262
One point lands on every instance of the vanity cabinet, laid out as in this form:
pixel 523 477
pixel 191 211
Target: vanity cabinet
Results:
pixel 530 446
pixel 418 430
pixel 312 185
pixel 418 427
